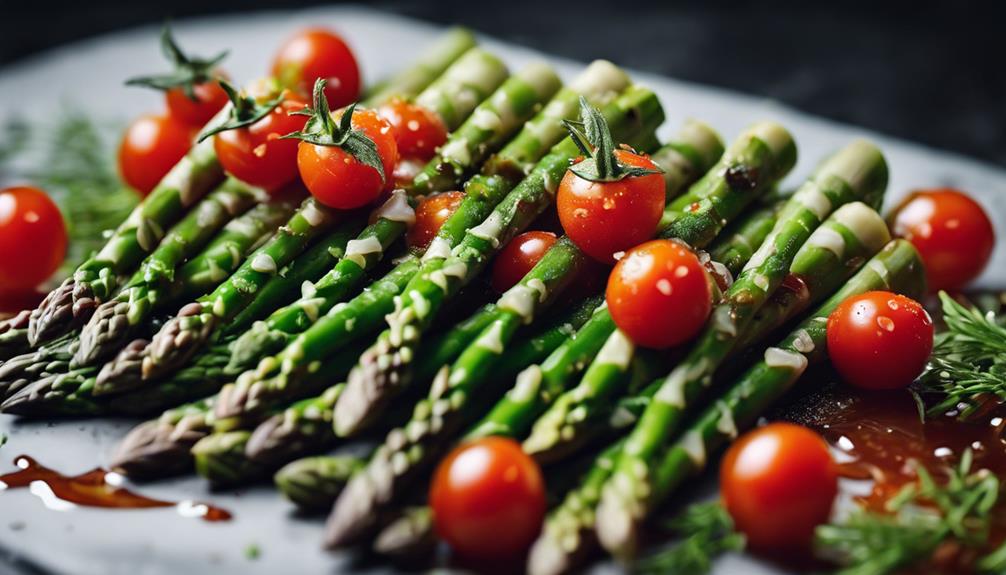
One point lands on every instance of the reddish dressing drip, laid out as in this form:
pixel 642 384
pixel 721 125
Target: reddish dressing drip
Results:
pixel 95 488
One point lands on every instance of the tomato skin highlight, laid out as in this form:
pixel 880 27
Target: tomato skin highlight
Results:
pixel 150 147
pixel 659 294
pixel 488 499
pixel 32 240
pixel 603 218
pixel 319 53
pixel 431 214
pixel 256 155
pixel 880 340
pixel 518 257
pixel 336 178
pixel 211 99
pixel 418 131
pixel 952 232
pixel 779 483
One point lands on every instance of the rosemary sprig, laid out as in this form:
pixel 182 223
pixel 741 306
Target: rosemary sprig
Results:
pixel 708 531
pixel 923 515
pixel 968 364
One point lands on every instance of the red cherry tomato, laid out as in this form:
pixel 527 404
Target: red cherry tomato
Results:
pixel 879 340
pixel 339 180
pixel 659 294
pixel 32 239
pixel 778 483
pixel 488 499
pixel 418 131
pixel 318 53
pixel 256 155
pixel 952 233
pixel 151 146
pixel 210 99
pixel 604 218
pixel 518 257
pixel 430 217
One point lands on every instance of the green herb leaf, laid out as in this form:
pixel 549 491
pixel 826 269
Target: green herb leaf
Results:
pixel 244 110
pixel 321 130
pixel 708 530
pixel 188 70
pixel 593 137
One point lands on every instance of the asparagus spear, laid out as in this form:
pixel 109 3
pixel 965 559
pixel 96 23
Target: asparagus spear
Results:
pixel 830 256
pixel 303 428
pixel 431 65
pixel 72 303
pixel 40 368
pixel 14 335
pixel 409 535
pixel 538 387
pixel 278 376
pixel 120 317
pixel 220 458
pixel 897 268
pixel 385 368
pixel 858 171
pixel 492 122
pixel 313 483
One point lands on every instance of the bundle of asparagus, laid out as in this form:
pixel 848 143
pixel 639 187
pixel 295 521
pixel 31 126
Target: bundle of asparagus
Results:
pixel 263 328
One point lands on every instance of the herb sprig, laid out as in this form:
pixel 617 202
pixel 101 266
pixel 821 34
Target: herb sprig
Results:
pixel 708 531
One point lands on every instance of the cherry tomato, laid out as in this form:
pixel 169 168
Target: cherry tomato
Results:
pixel 430 217
pixel 318 53
pixel 604 218
pixel 256 155
pixel 339 180
pixel 778 483
pixel 879 340
pixel 32 239
pixel 488 499
pixel 16 301
pixel 210 99
pixel 659 294
pixel 518 257
pixel 151 146
pixel 418 130
pixel 952 233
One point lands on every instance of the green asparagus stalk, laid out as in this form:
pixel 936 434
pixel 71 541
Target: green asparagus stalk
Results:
pixel 72 303
pixel 220 458
pixel 738 243
pixel 121 317
pixel 896 268
pixel 313 483
pixel 411 534
pixel 431 65
pixel 14 335
pixel 465 83
pixel 160 447
pixel 385 369
pixel 857 172
pixel 284 370
pixel 491 123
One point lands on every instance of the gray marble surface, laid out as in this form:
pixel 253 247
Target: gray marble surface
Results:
pixel 86 541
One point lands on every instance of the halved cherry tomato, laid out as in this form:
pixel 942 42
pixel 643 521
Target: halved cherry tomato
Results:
pixel 488 499
pixel 32 239
pixel 659 294
pixel 336 178
pixel 418 130
pixel 952 233
pixel 256 155
pixel 151 146
pixel 319 53
pixel 210 99
pixel 879 340
pixel 518 257
pixel 604 218
pixel 779 483
pixel 431 214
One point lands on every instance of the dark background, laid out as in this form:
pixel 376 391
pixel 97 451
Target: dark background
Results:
pixel 930 72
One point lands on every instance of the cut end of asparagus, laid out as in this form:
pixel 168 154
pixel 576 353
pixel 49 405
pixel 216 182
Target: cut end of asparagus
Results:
pixel 778 140
pixel 706 142
pixel 869 227
pixel 156 449
pixel 541 78
pixel 54 316
pixel 617 530
pixel 602 81
pixel 862 166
